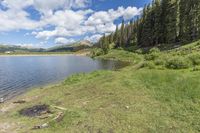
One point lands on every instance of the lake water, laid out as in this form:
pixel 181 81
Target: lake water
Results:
pixel 20 73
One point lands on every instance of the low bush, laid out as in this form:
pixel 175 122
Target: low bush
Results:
pixel 154 50
pixel 159 62
pixel 139 51
pixel 196 68
pixel 195 59
pixel 153 54
pixel 96 52
pixel 148 64
pixel 178 63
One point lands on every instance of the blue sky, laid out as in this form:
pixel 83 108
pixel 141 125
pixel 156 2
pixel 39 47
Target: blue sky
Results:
pixel 46 23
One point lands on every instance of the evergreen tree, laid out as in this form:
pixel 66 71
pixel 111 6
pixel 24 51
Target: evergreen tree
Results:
pixel 162 22
pixel 122 34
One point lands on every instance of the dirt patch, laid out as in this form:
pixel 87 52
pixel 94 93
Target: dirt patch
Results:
pixel 35 111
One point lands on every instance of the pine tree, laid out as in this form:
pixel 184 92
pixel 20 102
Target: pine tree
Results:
pixel 105 44
pixel 162 22
pixel 116 36
pixel 122 32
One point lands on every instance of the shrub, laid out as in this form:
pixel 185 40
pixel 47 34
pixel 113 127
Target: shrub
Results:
pixel 154 50
pixel 196 68
pixel 195 59
pixel 97 52
pixel 178 63
pixel 130 48
pixel 153 54
pixel 120 48
pixel 159 62
pixel 149 65
pixel 139 51
pixel 112 46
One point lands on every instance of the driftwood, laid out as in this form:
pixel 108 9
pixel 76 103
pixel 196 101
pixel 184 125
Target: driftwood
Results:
pixel 58 118
pixel 19 102
pixel 60 108
pixel 45 125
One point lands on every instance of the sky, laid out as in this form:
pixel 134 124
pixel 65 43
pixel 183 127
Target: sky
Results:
pixel 47 23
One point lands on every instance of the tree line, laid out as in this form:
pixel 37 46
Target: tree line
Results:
pixel 162 22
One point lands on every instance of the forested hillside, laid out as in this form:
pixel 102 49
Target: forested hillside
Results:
pixel 162 22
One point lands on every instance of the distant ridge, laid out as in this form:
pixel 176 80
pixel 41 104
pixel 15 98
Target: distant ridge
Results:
pixel 14 48
pixel 71 47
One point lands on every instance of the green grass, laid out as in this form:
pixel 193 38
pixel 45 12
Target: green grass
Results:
pixel 132 99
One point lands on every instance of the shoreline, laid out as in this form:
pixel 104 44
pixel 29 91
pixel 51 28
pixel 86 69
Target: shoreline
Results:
pixel 26 55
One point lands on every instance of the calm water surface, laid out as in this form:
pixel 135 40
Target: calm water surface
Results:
pixel 19 73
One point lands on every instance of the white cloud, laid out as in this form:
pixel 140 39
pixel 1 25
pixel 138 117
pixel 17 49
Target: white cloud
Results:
pixel 12 20
pixel 16 4
pixel 29 45
pixel 64 22
pixel 103 17
pixel 48 6
pixel 62 40
pixel 93 38
pixel 77 23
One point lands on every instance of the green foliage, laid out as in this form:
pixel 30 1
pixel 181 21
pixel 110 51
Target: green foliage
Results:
pixel 159 61
pixel 152 56
pixel 112 45
pixel 162 22
pixel 195 58
pixel 154 50
pixel 96 52
pixel 139 51
pixel 148 64
pixel 196 68
pixel 178 63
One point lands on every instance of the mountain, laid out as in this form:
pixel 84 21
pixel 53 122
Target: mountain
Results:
pixel 71 47
pixel 13 48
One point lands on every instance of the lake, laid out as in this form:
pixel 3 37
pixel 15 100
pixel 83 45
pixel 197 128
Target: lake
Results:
pixel 20 73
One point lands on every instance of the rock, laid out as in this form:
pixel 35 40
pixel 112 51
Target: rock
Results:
pixel 1 100
pixel 45 125
pixel 127 107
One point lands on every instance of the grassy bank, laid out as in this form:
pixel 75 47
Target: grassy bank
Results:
pixel 143 97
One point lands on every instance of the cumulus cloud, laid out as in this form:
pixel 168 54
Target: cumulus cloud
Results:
pixel 63 20
pixel 62 40
pixel 93 38
pixel 48 6
pixel 103 17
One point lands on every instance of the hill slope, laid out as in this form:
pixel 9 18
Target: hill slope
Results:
pixel 71 47
pixel 4 48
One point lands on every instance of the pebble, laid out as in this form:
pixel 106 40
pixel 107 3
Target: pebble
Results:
pixel 1 100
pixel 127 107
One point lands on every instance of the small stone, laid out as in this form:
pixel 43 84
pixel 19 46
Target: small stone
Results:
pixel 127 107
pixel 1 100
pixel 44 125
